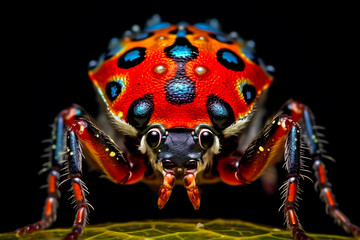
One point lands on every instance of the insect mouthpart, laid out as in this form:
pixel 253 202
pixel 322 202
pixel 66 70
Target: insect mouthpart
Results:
pixel 180 150
pixel 170 165
pixel 181 156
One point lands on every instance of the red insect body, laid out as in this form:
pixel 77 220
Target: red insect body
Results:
pixel 179 101
pixel 215 78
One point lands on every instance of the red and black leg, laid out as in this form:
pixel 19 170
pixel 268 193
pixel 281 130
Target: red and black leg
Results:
pixel 313 142
pixel 83 137
pixel 283 135
pixel 53 167
pixel 123 168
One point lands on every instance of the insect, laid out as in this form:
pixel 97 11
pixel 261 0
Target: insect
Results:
pixel 181 104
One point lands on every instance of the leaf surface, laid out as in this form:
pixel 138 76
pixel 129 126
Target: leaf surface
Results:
pixel 173 229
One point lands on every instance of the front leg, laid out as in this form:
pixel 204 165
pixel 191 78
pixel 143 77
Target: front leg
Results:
pixel 74 161
pixel 282 134
pixel 84 136
pixel 75 134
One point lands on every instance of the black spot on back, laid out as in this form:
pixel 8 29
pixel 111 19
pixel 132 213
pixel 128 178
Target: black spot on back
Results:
pixel 180 89
pixel 132 58
pixel 220 112
pixel 140 111
pixel 113 89
pixel 230 60
pixel 182 50
pixel 249 93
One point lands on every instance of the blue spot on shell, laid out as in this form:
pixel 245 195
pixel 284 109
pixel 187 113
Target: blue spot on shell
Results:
pixel 132 55
pixel 181 33
pixel 181 51
pixel 140 111
pixel 228 56
pixel 158 26
pixel 230 60
pixel 113 89
pixel 205 27
pixel 179 91
pixel 132 58
pixel 249 92
pixel 220 112
pixel 141 108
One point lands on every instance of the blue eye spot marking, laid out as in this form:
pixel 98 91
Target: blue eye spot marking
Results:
pixel 181 51
pixel 158 26
pixel 179 91
pixel 230 60
pixel 248 91
pixel 140 111
pixel 220 112
pixel 205 27
pixel 113 89
pixel 132 58
pixel 228 56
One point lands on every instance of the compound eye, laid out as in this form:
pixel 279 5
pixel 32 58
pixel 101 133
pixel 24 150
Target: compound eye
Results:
pixel 191 164
pixel 153 137
pixel 206 138
pixel 168 164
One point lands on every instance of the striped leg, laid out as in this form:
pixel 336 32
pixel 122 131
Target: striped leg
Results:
pixel 326 193
pixel 54 165
pixel 291 188
pixel 282 135
pixel 103 153
pixel 50 206
pixel 83 136
pixel 267 148
pixel 75 174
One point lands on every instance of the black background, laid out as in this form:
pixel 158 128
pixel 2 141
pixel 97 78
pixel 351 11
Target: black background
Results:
pixel 45 52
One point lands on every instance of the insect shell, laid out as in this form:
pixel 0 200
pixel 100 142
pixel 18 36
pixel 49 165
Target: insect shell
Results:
pixel 178 103
pixel 174 78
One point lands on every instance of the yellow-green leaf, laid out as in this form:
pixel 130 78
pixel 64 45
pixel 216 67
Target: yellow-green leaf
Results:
pixel 173 229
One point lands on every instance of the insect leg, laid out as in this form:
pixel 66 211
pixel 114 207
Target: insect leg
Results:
pixel 293 165
pixel 54 166
pixel 326 193
pixel 281 135
pixel 74 160
pixel 264 151
pixel 84 137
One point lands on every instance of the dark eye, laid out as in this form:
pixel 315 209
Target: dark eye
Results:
pixel 206 138
pixel 191 164
pixel 168 164
pixel 153 137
